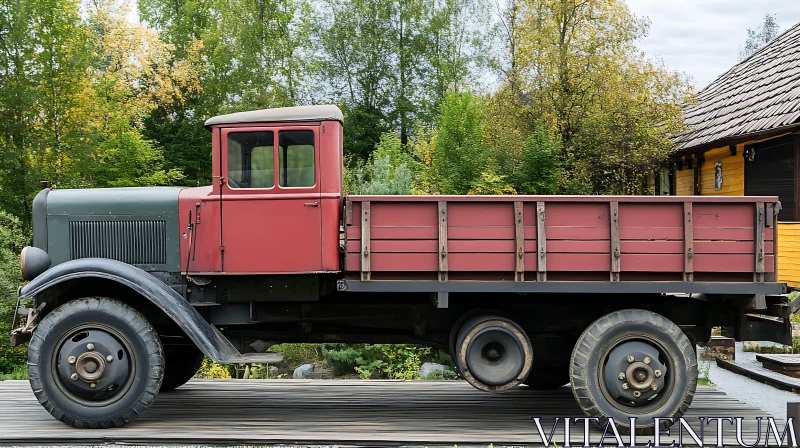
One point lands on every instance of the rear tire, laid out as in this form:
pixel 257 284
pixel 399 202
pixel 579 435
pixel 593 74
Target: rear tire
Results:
pixel 95 363
pixel 181 363
pixel 633 363
pixel 493 353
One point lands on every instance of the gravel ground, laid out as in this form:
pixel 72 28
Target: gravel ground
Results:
pixel 767 398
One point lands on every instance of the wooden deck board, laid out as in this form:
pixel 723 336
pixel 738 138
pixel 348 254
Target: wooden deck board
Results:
pixel 336 411
pixel 762 375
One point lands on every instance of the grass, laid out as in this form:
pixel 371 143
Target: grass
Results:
pixel 19 373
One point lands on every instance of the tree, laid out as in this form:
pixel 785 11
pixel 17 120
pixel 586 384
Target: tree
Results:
pixel 461 154
pixel 581 76
pixel 134 72
pixel 759 37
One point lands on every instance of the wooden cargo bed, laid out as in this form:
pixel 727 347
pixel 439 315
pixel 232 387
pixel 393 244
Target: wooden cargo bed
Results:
pixel 561 238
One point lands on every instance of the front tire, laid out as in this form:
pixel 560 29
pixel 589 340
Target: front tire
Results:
pixel 95 363
pixel 633 363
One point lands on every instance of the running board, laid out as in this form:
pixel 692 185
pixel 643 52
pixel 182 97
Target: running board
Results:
pixel 255 358
pixel 222 351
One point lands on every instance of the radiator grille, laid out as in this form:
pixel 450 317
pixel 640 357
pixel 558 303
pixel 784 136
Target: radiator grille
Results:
pixel 133 242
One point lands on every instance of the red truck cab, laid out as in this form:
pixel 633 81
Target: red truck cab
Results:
pixel 275 201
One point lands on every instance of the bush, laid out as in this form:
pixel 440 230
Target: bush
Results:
pixel 210 369
pixel 393 361
pixel 387 171
pixel 12 239
pixel 296 354
pixel 18 373
pixel 461 153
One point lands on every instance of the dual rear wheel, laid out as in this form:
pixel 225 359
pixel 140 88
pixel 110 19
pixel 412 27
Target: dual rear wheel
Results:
pixel 628 363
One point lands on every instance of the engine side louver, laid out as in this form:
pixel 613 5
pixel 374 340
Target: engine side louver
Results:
pixel 132 242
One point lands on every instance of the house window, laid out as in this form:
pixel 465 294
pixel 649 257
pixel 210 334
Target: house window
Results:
pixel 296 158
pixel 251 159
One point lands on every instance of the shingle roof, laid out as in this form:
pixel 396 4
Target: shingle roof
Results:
pixel 758 94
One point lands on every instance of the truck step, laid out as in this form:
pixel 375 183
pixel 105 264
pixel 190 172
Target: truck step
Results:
pixel 255 358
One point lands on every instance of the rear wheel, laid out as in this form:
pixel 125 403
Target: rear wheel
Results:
pixel 493 353
pixel 95 363
pixel 181 363
pixel 633 363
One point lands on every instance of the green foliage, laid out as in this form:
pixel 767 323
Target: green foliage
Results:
pixel 491 183
pixel 296 354
pixel 12 239
pixel 540 169
pixel 387 171
pixel 761 36
pixel 20 372
pixel 394 361
pixel 461 154
pixel 210 369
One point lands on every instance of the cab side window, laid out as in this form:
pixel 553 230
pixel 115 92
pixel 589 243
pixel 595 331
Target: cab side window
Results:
pixel 296 158
pixel 251 159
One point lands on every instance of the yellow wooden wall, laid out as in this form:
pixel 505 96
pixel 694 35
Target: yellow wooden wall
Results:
pixel 684 182
pixel 732 174
pixel 789 253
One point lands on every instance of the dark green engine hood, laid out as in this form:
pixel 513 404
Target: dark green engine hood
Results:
pixel 138 226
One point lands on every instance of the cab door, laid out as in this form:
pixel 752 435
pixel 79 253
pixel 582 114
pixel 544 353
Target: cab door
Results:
pixel 271 219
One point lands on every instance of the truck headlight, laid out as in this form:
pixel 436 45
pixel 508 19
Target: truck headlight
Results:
pixel 33 261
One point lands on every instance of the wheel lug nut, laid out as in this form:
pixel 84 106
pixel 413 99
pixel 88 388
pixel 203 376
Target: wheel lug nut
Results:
pixel 93 385
pixel 657 373
pixel 90 346
pixel 637 394
pixel 625 386
pixel 109 358
pixel 654 387
pixel 71 360
pixel 630 359
pixel 647 360
pixel 74 377
pixel 621 376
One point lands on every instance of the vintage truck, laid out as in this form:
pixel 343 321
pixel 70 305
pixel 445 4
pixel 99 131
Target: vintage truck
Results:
pixel 131 287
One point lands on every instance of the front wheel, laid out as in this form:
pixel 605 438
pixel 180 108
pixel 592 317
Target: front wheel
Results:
pixel 633 363
pixel 95 363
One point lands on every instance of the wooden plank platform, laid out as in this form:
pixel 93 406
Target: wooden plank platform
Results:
pixel 785 364
pixel 762 375
pixel 343 412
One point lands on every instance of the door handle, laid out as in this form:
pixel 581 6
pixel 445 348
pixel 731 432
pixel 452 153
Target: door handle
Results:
pixel 311 204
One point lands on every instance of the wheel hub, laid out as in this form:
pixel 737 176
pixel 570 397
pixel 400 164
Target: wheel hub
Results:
pixel 634 374
pixel 92 364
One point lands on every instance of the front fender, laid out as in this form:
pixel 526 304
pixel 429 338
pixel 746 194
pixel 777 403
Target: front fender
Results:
pixel 207 338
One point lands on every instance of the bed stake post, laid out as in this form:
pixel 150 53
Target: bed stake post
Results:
pixel 688 243
pixel 613 217
pixel 519 236
pixel 541 243
pixel 442 241
pixel 365 241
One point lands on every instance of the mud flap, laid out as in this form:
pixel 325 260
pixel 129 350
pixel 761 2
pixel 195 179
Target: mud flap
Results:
pixel 773 325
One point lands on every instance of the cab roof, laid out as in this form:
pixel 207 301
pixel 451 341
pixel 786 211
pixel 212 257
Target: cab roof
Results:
pixel 280 114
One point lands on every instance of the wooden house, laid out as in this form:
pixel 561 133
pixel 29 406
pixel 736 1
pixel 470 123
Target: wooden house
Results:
pixel 743 138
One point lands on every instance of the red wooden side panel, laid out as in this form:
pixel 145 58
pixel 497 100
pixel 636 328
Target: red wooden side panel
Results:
pixel 404 235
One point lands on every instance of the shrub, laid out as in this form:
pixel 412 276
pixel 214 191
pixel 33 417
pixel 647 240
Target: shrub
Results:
pixel 296 354
pixel 210 369
pixel 394 361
